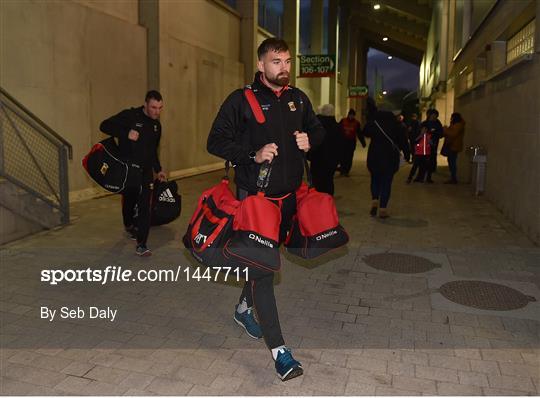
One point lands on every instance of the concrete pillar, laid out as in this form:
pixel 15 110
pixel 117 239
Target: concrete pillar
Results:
pixel 249 9
pixel 317 38
pixel 361 73
pixel 344 43
pixel 291 18
pixel 149 18
pixel 358 69
pixel 537 27
pixel 333 44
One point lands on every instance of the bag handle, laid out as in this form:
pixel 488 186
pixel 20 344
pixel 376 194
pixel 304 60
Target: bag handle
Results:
pixel 308 171
pixel 387 137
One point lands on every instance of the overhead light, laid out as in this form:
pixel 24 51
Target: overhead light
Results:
pixel 376 6
pixel 384 92
pixel 385 38
pixel 389 57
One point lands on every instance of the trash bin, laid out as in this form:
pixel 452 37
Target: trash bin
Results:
pixel 479 163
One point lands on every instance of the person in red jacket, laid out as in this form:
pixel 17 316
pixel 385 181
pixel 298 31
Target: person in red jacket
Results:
pixel 350 130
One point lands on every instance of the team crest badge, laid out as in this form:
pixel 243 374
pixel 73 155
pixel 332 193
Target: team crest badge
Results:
pixel 291 106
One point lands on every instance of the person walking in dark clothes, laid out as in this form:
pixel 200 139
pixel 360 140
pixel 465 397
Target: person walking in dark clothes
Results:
pixel 453 136
pixel 413 130
pixel 387 140
pixel 350 131
pixel 324 158
pixel 435 127
pixel 290 129
pixel 139 131
pixel 422 152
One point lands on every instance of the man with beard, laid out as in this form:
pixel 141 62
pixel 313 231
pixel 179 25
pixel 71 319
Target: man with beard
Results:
pixel 289 129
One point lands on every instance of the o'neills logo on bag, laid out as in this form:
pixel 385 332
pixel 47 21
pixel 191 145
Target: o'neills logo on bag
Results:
pixel 113 187
pixel 261 241
pixel 326 235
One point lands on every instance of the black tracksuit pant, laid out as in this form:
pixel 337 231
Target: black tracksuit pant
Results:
pixel 259 288
pixel 140 197
pixel 347 153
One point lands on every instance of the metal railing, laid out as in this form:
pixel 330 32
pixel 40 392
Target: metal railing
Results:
pixel 33 157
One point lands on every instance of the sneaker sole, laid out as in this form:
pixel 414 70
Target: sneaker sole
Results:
pixel 147 253
pixel 291 374
pixel 243 327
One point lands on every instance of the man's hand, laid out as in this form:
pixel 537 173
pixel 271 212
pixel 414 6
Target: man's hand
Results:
pixel 161 176
pixel 133 135
pixel 302 140
pixel 267 152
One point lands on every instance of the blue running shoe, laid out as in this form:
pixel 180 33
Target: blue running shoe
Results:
pixel 286 366
pixel 247 320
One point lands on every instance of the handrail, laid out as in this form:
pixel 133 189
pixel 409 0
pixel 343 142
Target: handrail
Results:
pixel 40 123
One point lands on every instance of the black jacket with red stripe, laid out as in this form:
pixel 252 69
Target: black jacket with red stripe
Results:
pixel 235 133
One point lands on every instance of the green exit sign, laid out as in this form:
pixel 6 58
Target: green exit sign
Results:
pixel 358 91
pixel 317 65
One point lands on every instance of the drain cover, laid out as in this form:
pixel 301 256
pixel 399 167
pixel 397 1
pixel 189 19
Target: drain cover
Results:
pixel 400 263
pixel 485 295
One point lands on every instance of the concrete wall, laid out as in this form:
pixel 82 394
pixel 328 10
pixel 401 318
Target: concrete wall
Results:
pixel 126 10
pixel 199 67
pixel 503 115
pixel 14 227
pixel 72 66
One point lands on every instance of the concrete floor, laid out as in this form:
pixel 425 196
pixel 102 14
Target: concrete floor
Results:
pixel 356 330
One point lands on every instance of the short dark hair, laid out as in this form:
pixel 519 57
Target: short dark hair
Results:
pixel 153 94
pixel 432 111
pixel 351 112
pixel 272 44
pixel 456 118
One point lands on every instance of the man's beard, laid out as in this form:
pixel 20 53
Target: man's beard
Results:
pixel 282 79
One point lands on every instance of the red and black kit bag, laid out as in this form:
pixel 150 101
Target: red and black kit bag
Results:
pixel 104 166
pixel 315 228
pixel 255 241
pixel 211 225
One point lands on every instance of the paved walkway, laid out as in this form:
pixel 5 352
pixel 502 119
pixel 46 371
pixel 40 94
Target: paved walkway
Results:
pixel 356 329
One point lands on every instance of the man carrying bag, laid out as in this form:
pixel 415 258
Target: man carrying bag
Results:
pixel 279 133
pixel 138 131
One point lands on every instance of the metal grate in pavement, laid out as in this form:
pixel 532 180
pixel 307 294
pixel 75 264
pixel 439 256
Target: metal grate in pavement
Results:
pixel 485 295
pixel 400 263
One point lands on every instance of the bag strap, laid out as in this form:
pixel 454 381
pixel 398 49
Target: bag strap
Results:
pixel 254 105
pixel 387 137
pixel 309 177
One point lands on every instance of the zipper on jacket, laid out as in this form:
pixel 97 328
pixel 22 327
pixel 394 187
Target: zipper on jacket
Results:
pixel 284 140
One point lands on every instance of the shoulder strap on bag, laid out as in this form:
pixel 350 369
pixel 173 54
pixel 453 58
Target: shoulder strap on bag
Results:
pixel 254 105
pixel 387 137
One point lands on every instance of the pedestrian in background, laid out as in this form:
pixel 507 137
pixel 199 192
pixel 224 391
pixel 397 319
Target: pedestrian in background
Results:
pixel 453 144
pixel 434 126
pixel 350 131
pixel 387 141
pixel 324 158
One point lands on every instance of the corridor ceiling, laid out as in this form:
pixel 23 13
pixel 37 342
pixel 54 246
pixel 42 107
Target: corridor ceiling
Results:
pixel 404 22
